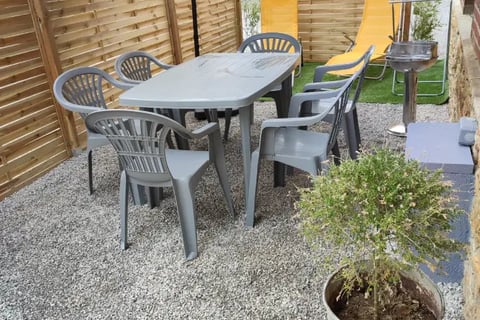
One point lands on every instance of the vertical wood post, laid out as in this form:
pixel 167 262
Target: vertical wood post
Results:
pixel 407 13
pixel 174 32
pixel 239 24
pixel 53 68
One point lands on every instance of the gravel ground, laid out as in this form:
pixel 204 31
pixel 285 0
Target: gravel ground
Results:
pixel 61 259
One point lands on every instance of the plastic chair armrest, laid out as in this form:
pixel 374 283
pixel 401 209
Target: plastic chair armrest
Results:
pixel 132 83
pixel 78 108
pixel 163 65
pixel 121 84
pixel 320 71
pixel 207 129
pixel 298 121
pixel 324 85
pixel 215 145
pixel 299 99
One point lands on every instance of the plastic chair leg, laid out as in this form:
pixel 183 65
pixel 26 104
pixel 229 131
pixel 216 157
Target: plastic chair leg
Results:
pixel 336 153
pixel 282 100
pixel 222 176
pixel 252 190
pixel 179 116
pixel 212 115
pixel 186 212
pixel 278 102
pixel 123 210
pixel 357 128
pixel 228 120
pixel 90 174
pixel 350 129
pixel 154 196
pixel 279 169
pixel 139 194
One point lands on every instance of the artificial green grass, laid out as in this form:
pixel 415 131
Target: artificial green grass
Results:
pixel 380 91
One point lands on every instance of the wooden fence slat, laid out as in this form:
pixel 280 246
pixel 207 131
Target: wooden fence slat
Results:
pixel 22 109
pixel 322 23
pixel 23 126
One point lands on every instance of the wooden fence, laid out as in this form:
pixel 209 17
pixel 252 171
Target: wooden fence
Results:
pixel 41 38
pixel 322 25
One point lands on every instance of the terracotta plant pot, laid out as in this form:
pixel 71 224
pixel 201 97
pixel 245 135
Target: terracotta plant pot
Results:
pixel 415 281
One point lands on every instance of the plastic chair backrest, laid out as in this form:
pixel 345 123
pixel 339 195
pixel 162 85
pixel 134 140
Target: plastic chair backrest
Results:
pixel 136 66
pixel 361 76
pixel 82 89
pixel 338 99
pixel 270 42
pixel 339 110
pixel 139 137
pixel 361 62
pixel 340 103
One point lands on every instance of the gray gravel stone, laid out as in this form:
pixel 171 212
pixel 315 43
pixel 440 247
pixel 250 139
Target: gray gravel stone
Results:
pixel 60 254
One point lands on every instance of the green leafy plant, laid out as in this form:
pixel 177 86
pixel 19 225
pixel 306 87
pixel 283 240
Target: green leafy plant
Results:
pixel 251 16
pixel 425 19
pixel 384 210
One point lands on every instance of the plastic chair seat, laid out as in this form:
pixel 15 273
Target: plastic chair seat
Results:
pixel 186 165
pixel 183 165
pixel 300 148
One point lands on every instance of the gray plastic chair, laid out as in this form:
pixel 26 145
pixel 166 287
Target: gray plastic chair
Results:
pixel 285 140
pixel 81 90
pixel 139 137
pixel 350 124
pixel 136 66
pixel 274 42
pixel 271 42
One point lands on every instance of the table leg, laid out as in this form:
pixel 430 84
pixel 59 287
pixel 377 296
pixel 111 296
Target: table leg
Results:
pixel 245 115
pixel 176 114
pixel 282 101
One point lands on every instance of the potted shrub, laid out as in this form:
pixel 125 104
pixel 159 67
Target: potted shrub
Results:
pixel 385 215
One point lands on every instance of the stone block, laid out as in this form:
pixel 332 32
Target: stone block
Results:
pixel 435 145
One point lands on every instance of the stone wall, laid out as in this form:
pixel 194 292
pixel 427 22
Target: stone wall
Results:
pixel 464 91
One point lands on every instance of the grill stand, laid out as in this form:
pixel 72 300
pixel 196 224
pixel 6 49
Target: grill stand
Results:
pixel 409 105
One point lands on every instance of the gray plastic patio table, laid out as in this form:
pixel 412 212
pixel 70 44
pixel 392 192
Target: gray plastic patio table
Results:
pixel 220 80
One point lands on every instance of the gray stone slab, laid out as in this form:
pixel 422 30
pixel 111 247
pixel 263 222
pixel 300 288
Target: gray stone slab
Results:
pixel 435 144
pixel 452 269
